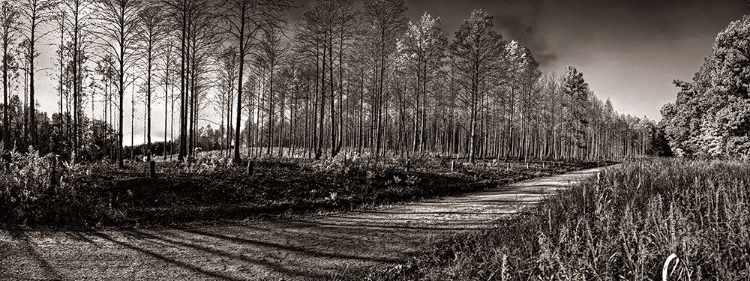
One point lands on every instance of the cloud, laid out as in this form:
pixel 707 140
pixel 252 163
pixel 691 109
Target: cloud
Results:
pixel 521 21
pixel 526 32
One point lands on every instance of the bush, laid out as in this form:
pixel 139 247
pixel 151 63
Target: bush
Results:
pixel 39 190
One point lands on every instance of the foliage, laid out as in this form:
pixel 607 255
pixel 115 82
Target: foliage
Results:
pixel 711 116
pixel 40 190
pixel 622 227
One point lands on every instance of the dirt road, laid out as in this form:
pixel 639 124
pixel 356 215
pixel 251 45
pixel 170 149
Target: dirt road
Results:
pixel 289 250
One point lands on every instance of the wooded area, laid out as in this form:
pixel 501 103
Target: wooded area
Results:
pixel 342 79
pixel 711 116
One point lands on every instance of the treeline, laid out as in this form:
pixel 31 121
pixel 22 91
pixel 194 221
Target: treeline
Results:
pixel 711 116
pixel 357 79
pixel 99 140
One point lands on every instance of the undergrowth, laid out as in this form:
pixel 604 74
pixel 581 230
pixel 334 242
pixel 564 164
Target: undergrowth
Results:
pixel 211 189
pixel 622 226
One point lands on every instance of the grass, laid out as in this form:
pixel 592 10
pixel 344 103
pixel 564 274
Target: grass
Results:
pixel 622 227
pixel 210 190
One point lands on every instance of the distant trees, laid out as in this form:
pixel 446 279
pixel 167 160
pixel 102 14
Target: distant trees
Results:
pixel 711 116
pixel 522 98
pixel 169 67
pixel 326 33
pixel 354 79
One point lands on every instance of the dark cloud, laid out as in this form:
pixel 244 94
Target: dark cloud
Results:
pixel 520 22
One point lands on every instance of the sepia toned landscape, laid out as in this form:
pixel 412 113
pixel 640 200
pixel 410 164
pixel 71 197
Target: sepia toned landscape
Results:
pixel 374 140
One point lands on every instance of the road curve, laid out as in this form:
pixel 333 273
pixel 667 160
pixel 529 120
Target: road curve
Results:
pixel 305 249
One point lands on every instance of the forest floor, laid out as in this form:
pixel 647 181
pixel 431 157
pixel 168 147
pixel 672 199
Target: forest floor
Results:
pixel 301 248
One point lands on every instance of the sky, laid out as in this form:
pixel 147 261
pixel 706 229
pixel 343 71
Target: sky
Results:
pixel 630 51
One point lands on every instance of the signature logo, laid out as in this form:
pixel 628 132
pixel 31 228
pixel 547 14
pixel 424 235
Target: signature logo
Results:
pixel 665 272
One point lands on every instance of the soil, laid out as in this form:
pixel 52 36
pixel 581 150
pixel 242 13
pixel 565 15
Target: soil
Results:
pixel 305 248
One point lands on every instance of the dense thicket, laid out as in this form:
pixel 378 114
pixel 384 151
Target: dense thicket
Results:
pixel 711 116
pixel 341 79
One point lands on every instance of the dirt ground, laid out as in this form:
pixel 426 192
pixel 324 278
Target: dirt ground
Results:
pixel 313 247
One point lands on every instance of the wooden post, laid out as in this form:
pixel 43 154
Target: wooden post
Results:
pixel 343 167
pixel 152 169
pixel 453 166
pixel 250 167
pixel 53 170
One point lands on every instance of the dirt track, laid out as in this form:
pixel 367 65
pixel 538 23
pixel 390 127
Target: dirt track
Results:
pixel 290 250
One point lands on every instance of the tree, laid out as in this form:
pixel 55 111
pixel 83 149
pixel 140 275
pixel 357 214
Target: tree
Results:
pixel 78 20
pixel 243 19
pixel 423 47
pixel 575 97
pixel 151 30
pixel 388 22
pixel 711 116
pixel 167 80
pixel 9 29
pixel 522 80
pixel 270 52
pixel 477 58
pixel 35 13
pixel 228 64
pixel 117 27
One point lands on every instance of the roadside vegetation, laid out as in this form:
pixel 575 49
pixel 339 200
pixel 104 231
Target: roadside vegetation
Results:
pixel 212 190
pixel 623 226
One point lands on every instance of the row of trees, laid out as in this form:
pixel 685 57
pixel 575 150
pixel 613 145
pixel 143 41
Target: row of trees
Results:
pixel 711 116
pixel 359 79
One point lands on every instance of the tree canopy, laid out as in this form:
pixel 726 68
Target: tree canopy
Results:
pixel 711 116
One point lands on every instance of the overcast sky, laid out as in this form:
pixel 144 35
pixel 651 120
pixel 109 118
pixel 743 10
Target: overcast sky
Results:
pixel 629 50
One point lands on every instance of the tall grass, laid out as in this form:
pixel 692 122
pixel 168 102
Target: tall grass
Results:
pixel 623 226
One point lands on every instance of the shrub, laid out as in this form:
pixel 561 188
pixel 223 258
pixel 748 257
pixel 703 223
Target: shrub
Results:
pixel 38 189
